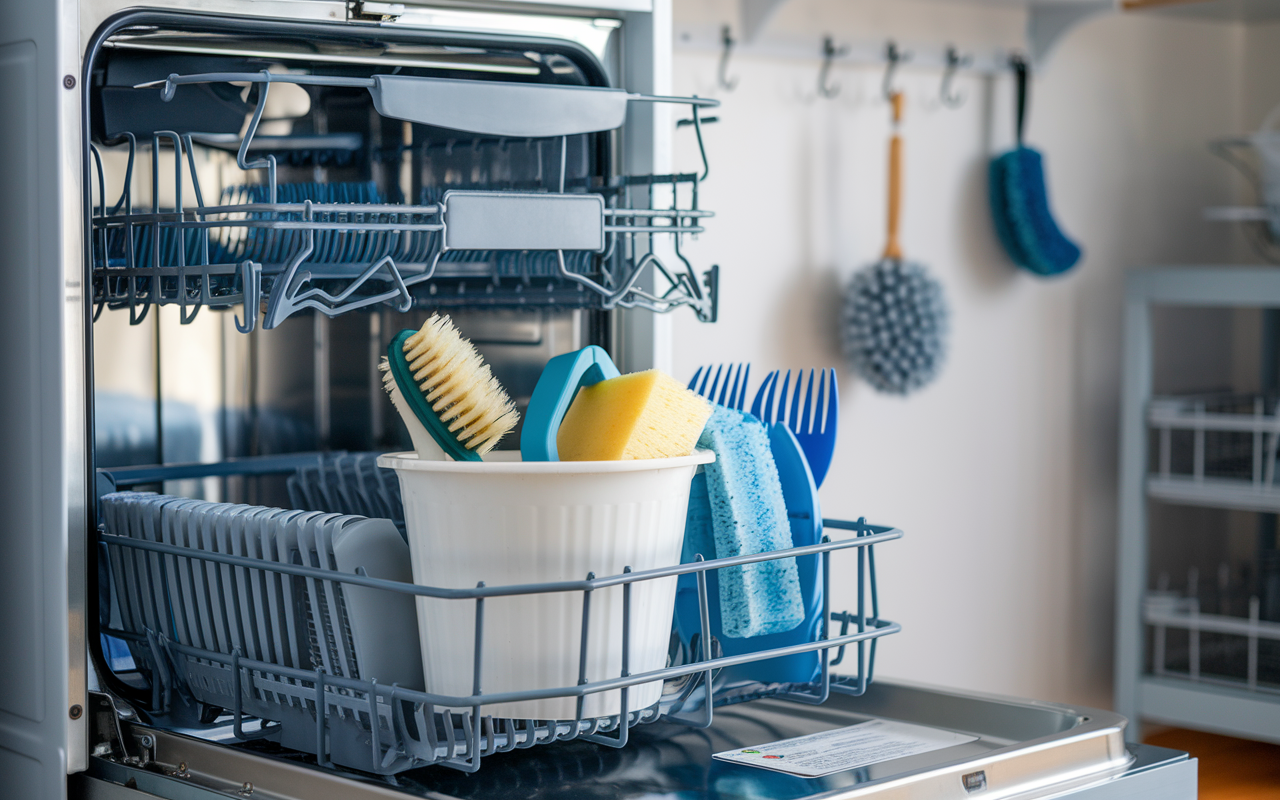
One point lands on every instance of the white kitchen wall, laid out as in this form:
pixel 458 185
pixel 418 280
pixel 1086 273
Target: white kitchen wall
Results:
pixel 1002 473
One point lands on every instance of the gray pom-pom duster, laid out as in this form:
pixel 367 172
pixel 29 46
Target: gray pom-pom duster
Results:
pixel 894 327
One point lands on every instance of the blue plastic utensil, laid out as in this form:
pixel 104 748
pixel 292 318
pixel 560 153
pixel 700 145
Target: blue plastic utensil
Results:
pixel 813 418
pixel 730 395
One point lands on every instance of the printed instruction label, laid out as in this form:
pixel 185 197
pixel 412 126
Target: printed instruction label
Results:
pixel 845 748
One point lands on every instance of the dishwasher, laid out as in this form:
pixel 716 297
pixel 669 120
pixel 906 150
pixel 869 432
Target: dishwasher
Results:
pixel 219 213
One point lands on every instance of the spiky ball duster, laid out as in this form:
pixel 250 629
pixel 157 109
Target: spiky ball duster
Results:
pixel 894 326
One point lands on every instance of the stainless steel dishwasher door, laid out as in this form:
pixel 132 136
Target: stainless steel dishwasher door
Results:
pixel 1024 750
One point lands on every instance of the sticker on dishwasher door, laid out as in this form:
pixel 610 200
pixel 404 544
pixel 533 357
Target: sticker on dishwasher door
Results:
pixel 845 748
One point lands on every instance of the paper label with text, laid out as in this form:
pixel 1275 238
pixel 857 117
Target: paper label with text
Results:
pixel 845 748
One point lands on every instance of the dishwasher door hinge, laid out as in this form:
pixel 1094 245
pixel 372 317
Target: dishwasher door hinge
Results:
pixel 362 11
pixel 107 736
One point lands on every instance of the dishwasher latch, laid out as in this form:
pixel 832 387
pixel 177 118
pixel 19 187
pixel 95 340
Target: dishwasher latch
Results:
pixel 975 781
pixel 361 11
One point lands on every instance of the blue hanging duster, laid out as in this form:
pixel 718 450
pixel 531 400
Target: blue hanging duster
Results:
pixel 1020 202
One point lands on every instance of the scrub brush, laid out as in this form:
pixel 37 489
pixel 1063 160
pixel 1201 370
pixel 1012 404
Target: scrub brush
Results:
pixel 445 393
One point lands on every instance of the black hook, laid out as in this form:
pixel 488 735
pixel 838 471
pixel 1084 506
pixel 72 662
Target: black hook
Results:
pixel 726 49
pixel 955 61
pixel 829 54
pixel 895 57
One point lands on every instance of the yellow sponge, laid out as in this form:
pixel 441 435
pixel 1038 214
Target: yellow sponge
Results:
pixel 641 415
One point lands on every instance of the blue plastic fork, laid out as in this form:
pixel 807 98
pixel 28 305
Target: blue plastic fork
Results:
pixel 732 393
pixel 811 417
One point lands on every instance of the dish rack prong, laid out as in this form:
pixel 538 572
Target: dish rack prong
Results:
pixel 275 249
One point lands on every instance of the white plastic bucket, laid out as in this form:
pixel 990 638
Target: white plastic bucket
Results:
pixel 506 522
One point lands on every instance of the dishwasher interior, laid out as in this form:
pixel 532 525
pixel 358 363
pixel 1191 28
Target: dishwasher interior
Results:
pixel 267 205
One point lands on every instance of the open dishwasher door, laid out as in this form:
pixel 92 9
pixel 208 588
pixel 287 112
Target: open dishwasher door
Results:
pixel 1015 749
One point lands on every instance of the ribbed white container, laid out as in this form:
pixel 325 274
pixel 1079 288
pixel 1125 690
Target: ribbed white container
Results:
pixel 506 522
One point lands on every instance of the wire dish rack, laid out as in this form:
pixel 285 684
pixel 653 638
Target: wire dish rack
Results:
pixel 1215 450
pixel 1215 648
pixel 334 248
pixel 249 660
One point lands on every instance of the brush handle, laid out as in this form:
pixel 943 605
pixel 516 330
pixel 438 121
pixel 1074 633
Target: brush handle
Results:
pixel 892 247
pixel 559 383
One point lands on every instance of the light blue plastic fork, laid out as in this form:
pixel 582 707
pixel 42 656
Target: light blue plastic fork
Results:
pixel 732 393
pixel 812 418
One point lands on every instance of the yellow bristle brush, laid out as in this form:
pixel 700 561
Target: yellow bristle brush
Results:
pixel 445 393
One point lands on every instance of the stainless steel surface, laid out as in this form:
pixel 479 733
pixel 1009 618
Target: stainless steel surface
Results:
pixel 75 424
pixel 595 30
pixel 1025 750
pixel 42 577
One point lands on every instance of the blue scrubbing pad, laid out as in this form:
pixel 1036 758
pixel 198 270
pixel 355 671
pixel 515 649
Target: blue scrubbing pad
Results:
pixel 1020 201
pixel 1024 222
pixel 748 515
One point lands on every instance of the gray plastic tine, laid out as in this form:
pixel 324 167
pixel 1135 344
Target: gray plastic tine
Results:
pixel 274 609
pixel 308 548
pixel 192 521
pixel 180 598
pixel 185 535
pixel 227 533
pixel 334 593
pixel 151 513
pixel 129 587
pixel 213 609
pixel 218 521
pixel 259 585
pixel 279 540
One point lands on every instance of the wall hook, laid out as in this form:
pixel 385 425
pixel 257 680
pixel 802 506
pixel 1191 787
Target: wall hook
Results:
pixel 726 49
pixel 955 61
pixel 829 54
pixel 895 57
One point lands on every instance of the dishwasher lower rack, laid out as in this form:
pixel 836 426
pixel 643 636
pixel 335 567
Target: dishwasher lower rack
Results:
pixel 193 652
pixel 555 241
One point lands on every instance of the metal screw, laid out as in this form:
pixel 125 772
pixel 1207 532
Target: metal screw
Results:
pixel 147 741
pixel 69 81
pixel 77 711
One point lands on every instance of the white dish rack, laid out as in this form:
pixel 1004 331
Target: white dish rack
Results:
pixel 1217 450
pixel 550 245
pixel 1243 651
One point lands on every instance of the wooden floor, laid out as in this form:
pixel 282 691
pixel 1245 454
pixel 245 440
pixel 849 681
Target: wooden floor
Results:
pixel 1230 769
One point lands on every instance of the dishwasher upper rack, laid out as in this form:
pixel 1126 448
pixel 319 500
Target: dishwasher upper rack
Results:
pixel 415 729
pixel 389 248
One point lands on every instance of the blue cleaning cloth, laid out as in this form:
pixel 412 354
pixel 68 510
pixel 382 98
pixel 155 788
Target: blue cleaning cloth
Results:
pixel 741 511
